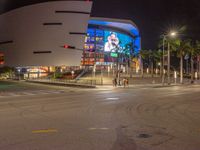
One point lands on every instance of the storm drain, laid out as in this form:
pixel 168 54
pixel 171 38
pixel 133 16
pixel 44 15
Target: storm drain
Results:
pixel 143 135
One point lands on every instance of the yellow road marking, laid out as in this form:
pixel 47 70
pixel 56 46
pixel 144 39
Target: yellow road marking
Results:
pixel 98 128
pixel 45 131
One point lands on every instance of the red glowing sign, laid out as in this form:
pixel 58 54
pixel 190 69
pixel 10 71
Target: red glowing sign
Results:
pixel 66 46
pixel 1 58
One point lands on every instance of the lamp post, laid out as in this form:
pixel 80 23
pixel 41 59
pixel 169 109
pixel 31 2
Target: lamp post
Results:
pixel 171 34
pixel 168 63
pixel 163 65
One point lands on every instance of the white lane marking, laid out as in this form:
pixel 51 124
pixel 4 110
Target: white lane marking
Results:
pixel 112 98
pixel 173 94
pixel 104 92
pixel 104 128
pixel 55 92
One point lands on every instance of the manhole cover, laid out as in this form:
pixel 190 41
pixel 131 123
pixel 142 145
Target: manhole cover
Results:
pixel 143 135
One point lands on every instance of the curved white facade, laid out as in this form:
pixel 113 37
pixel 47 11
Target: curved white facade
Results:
pixel 35 35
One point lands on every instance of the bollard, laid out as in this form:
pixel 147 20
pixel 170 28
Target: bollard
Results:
pixel 196 75
pixel 147 70
pixel 175 76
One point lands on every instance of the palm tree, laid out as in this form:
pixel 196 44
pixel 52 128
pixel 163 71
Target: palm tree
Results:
pixel 181 48
pixel 178 46
pixel 158 54
pixel 144 54
pixel 194 51
pixel 129 51
pixel 170 43
pixel 155 56
pixel 151 60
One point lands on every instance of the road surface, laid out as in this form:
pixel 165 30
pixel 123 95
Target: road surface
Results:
pixel 41 117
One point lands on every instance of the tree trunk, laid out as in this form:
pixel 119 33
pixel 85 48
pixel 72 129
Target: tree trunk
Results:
pixel 187 68
pixel 199 68
pixel 181 69
pixel 192 70
pixel 161 67
pixel 142 67
pixel 152 68
pixel 130 66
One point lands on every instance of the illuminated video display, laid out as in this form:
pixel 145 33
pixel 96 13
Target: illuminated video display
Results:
pixel 111 44
pixel 117 42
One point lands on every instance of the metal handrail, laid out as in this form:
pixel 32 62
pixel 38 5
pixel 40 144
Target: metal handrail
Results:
pixel 64 81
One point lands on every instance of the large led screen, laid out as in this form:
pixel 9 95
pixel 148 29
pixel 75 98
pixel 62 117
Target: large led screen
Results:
pixel 113 45
pixel 117 42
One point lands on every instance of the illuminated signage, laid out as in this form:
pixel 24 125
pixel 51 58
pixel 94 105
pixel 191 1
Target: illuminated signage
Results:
pixel 114 55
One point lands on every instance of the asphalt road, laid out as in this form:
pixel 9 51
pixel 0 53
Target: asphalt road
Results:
pixel 40 117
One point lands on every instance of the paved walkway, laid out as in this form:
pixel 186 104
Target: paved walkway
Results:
pixel 145 86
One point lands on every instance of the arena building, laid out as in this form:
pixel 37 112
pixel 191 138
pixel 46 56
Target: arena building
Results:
pixel 40 37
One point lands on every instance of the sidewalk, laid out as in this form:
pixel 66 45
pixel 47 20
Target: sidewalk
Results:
pixel 134 83
pixel 152 85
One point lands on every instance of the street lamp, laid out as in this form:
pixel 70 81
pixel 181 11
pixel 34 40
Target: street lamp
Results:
pixel 171 34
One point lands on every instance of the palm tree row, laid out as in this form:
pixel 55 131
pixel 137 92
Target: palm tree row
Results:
pixel 180 49
pixel 151 59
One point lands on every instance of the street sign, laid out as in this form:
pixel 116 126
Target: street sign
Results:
pixel 187 57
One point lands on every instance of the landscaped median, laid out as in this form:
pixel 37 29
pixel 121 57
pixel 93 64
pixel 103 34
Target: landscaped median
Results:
pixel 61 82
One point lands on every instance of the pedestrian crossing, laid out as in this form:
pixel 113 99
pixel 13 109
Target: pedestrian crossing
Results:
pixel 29 93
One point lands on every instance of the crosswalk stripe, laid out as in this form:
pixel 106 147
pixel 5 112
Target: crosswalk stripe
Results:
pixel 41 92
pixel 13 94
pixel 28 93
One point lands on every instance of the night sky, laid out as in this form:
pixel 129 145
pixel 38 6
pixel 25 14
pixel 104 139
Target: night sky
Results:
pixel 153 17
